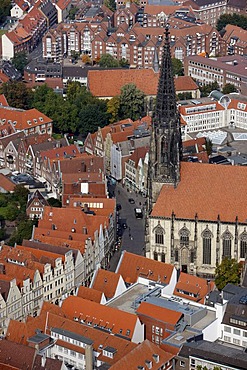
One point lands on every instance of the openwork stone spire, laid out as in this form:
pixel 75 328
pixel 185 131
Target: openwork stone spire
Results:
pixel 166 147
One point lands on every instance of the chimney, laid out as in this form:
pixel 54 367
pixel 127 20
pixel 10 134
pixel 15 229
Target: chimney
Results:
pixel 86 208
pixel 84 230
pixel 89 357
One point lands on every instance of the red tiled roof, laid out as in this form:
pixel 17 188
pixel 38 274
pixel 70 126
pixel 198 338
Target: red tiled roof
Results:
pixel 159 313
pixel 6 183
pixel 90 294
pixel 106 282
pixel 133 266
pixel 119 322
pixel 62 4
pixel 3 100
pixel 145 351
pixel 108 83
pixel 192 284
pixel 22 120
pixel 208 190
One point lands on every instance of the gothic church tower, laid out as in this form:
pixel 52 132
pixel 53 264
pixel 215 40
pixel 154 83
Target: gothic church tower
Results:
pixel 166 145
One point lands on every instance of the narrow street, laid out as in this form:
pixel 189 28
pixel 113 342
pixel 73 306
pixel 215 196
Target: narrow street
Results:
pixel 133 237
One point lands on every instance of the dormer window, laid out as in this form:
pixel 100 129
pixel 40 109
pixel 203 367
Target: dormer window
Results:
pixel 41 119
pixel 29 122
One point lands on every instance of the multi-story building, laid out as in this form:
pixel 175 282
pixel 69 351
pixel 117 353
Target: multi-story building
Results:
pixel 229 69
pixel 235 40
pixel 216 111
pixel 26 36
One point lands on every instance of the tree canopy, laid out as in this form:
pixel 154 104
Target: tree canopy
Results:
pixel 229 88
pixel 108 61
pixel 177 67
pixel 131 102
pixel 17 94
pixel 228 271
pixel 235 19
pixel 19 61
pixel 5 6
pixel 206 89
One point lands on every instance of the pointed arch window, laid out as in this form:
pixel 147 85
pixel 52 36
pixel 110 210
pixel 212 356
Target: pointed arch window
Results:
pixel 159 235
pixel 184 236
pixel 227 244
pixel 243 244
pixel 207 246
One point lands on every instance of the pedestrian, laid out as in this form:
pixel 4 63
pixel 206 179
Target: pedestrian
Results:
pixel 118 192
pixel 131 238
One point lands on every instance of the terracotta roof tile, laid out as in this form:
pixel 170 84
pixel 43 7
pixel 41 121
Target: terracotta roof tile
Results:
pixel 106 282
pixel 6 184
pixel 9 355
pixel 159 313
pixel 200 191
pixel 192 284
pixel 23 119
pixel 100 339
pixel 145 351
pixel 90 294
pixel 3 100
pixel 108 83
pixel 131 266
pixel 119 322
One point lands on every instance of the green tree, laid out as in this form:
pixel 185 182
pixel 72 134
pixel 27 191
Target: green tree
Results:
pixel 17 94
pixel 235 19
pixel 24 231
pixel 184 96
pixel 209 146
pixel 228 271
pixel 111 4
pixel 92 116
pixel 5 6
pixel 229 88
pixel 113 106
pixel 53 202
pixel 124 63
pixel 19 61
pixel 72 12
pixel 20 193
pixel 206 89
pixel 177 67
pixel 11 212
pixel 108 61
pixel 131 102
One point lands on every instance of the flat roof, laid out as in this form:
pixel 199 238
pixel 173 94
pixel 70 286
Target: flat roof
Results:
pixel 126 302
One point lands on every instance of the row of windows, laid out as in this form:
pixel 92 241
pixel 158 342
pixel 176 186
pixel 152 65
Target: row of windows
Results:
pixel 207 245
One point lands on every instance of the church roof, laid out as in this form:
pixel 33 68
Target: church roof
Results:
pixel 207 190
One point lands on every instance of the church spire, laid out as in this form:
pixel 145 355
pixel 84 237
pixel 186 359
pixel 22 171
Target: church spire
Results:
pixel 166 147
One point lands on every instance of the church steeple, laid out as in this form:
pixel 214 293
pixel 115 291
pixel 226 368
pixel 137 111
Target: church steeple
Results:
pixel 166 147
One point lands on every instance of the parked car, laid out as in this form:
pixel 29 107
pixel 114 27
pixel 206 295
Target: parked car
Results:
pixel 132 201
